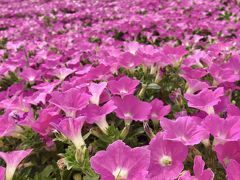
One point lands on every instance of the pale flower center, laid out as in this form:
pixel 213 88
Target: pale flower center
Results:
pixel 128 115
pixel 165 161
pixel 120 173
pixel 123 91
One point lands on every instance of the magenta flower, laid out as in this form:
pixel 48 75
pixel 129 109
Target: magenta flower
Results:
pixel 42 124
pixel 226 152
pixel 223 129
pixel 184 129
pixel 158 110
pixel 199 172
pixel 2 173
pixel 205 99
pixel 131 108
pixel 72 129
pixel 30 74
pixel 12 160
pixel 62 73
pixel 121 162
pixel 166 158
pixel 233 170
pixel 97 114
pixel 123 86
pixel 8 125
pixel 70 101
pixel 195 85
pixel 96 91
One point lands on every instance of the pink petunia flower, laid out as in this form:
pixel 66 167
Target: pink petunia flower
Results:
pixel 123 86
pixel 158 110
pixel 2 173
pixel 166 158
pixel 226 152
pixel 121 162
pixel 72 129
pixel 96 91
pixel 62 73
pixel 184 129
pixel 131 108
pixel 30 74
pixel 12 160
pixel 233 170
pixel 205 99
pixel 199 171
pixel 97 114
pixel 223 129
pixel 70 101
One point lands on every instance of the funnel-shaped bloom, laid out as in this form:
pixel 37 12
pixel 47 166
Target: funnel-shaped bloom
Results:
pixel 62 73
pixel 131 108
pixel 30 74
pixel 7 126
pixel 158 110
pixel 2 173
pixel 166 158
pixel 70 101
pixel 223 129
pixel 205 100
pixel 123 86
pixel 46 116
pixel 233 170
pixel 185 129
pixel 97 114
pixel 195 85
pixel 121 162
pixel 226 152
pixel 199 171
pixel 12 160
pixel 71 128
pixel 96 91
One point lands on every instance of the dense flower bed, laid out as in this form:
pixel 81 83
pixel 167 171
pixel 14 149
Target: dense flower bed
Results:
pixel 119 89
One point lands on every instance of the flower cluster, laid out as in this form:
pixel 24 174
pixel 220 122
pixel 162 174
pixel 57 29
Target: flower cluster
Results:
pixel 120 90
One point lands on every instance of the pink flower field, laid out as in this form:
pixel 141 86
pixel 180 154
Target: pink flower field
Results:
pixel 119 89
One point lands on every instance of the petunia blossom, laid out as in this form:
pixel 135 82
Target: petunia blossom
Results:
pixel 184 129
pixel 158 110
pixel 123 86
pixel 166 158
pixel 72 129
pixel 12 160
pixel 226 152
pixel 96 91
pixel 223 129
pixel 70 101
pixel 233 170
pixel 131 108
pixel 2 173
pixel 121 162
pixel 205 100
pixel 97 114
pixel 199 171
